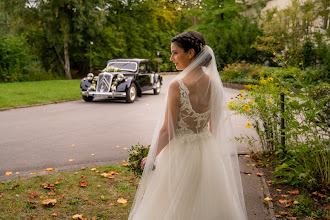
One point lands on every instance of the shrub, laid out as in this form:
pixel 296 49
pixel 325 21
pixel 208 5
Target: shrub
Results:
pixel 304 160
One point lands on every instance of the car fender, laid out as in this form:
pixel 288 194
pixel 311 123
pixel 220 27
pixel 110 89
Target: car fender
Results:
pixel 127 83
pixel 85 84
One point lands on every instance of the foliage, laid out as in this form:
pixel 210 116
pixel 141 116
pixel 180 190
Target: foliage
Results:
pixel 305 156
pixel 243 72
pixel 228 31
pixel 136 154
pixel 289 34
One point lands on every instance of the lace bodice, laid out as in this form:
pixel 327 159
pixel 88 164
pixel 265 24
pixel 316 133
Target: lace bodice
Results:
pixel 191 124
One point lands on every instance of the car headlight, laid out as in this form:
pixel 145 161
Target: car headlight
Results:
pixel 90 76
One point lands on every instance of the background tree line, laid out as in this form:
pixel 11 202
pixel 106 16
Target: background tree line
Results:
pixel 42 39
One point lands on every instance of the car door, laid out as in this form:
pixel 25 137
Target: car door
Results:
pixel 145 76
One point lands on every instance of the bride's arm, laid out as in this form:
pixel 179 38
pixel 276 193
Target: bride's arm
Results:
pixel 171 116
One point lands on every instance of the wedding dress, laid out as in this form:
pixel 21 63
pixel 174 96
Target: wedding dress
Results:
pixel 195 176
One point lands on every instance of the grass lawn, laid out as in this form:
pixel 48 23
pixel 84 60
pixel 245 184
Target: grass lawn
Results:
pixel 38 92
pixel 97 198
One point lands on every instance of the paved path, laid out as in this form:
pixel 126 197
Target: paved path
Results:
pixel 34 138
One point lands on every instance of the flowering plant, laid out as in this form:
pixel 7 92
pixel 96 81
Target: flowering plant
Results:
pixel 136 154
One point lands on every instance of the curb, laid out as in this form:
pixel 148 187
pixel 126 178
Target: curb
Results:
pixel 267 194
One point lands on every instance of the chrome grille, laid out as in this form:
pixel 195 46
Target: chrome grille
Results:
pixel 104 82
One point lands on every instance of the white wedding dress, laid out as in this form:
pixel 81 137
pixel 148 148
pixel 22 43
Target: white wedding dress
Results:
pixel 196 175
pixel 195 187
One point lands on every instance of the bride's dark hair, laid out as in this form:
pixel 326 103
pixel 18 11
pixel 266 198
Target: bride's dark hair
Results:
pixel 192 40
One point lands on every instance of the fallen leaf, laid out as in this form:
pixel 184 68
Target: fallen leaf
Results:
pixel 314 193
pixel 15 186
pixel 321 195
pixel 1 196
pixel 283 213
pixel 105 175
pixel 33 217
pixel 54 214
pixel 50 169
pixel 94 218
pixel 125 164
pixel 78 217
pixel 247 164
pixel 97 171
pixel 274 195
pixel 117 146
pixel 267 199
pixel 102 197
pixel 73 145
pixel 323 190
pixel 17 173
pixel 125 148
pixel 75 173
pixel 93 169
pixel 124 161
pixel 83 183
pixel 296 202
pixel 294 192
pixel 278 190
pixel 8 173
pixel 86 199
pixel 42 196
pixel 71 160
pixel 122 200
pixel 112 203
pixel 49 202
pixel 60 196
pixel 32 173
pixel 92 154
pixel 57 182
pixel 284 196
pixel 47 185
pixel 282 201
pixel 253 164
pixel 259 174
pixel 3 182
pixel 83 168
pixel 246 155
pixel 268 181
pixel 59 116
pixel 292 218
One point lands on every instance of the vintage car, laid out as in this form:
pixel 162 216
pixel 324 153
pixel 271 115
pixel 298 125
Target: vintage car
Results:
pixel 122 78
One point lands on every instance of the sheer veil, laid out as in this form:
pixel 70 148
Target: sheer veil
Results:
pixel 206 95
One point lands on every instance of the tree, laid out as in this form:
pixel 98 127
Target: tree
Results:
pixel 63 24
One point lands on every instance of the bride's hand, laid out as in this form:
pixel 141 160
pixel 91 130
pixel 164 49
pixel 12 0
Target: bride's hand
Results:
pixel 143 162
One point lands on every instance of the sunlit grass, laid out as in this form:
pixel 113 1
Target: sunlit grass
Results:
pixel 38 92
pixel 93 200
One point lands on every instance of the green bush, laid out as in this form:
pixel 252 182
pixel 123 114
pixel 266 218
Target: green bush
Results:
pixel 304 160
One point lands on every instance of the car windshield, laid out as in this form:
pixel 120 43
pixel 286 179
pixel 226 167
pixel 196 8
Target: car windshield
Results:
pixel 124 66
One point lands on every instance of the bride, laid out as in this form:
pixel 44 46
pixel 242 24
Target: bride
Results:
pixel 191 172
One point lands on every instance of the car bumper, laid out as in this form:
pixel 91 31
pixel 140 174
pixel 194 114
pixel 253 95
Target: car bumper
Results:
pixel 104 94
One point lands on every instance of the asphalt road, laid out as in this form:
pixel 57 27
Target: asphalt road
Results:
pixel 35 138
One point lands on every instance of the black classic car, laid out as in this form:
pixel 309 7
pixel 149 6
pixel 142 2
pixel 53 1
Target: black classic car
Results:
pixel 122 78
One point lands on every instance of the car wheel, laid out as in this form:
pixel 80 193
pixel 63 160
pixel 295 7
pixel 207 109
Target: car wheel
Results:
pixel 88 98
pixel 157 90
pixel 131 93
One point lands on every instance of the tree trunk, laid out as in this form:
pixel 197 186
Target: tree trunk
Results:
pixel 66 57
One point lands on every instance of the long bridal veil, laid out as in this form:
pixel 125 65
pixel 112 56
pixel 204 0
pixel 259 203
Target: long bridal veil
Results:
pixel 192 158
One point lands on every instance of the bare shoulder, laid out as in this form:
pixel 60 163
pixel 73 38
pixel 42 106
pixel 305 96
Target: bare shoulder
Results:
pixel 174 87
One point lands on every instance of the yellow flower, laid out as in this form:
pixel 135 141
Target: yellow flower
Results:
pixel 242 98
pixel 269 100
pixel 270 79
pixel 301 63
pixel 246 107
pixel 263 81
pixel 242 91
pixel 274 53
pixel 248 86
pixel 277 84
pixel 251 101
pixel 248 125
pixel 261 78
